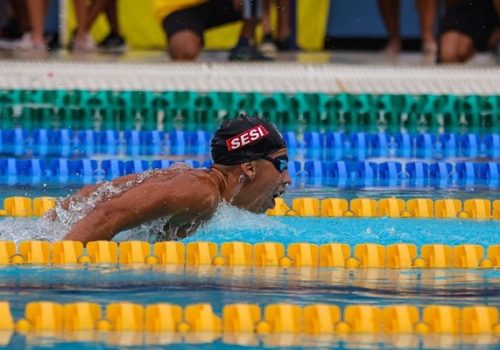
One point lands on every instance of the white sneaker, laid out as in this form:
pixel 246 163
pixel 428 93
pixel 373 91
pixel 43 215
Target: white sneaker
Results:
pixel 86 44
pixel 24 44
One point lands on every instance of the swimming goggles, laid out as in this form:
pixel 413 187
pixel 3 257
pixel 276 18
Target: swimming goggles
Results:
pixel 280 162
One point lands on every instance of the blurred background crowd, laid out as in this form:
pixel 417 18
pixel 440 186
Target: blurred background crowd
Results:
pixel 451 31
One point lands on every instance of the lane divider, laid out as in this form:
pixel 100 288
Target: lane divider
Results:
pixel 264 254
pixel 449 208
pixel 84 143
pixel 476 208
pixel 314 319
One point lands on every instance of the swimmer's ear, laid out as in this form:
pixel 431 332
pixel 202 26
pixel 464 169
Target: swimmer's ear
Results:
pixel 248 169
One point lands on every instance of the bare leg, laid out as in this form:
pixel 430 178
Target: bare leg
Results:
pixel 427 13
pixel 21 12
pixel 284 19
pixel 112 15
pixel 184 46
pixel 81 18
pixel 455 47
pixel 95 10
pixel 37 10
pixel 266 17
pixel 389 9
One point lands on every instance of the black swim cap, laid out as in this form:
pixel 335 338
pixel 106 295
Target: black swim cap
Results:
pixel 244 139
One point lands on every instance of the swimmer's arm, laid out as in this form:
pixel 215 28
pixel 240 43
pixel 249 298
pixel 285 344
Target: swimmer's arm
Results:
pixel 140 205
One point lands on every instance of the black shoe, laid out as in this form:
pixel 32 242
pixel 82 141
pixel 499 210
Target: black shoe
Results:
pixel 247 53
pixel 286 44
pixel 113 43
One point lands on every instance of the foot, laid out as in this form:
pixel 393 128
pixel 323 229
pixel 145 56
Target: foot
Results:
pixel 393 47
pixel 247 53
pixel 268 47
pixel 113 43
pixel 429 47
pixel 83 43
pixel 286 44
pixel 26 43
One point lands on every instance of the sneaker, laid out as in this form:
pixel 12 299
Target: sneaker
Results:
pixel 84 45
pixel 429 48
pixel 24 44
pixel 247 53
pixel 268 47
pixel 113 43
pixel 286 44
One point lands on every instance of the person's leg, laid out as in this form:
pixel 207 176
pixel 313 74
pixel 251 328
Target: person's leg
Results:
pixel 37 10
pixel 283 19
pixel 389 9
pixel 94 11
pixel 82 40
pixel 111 11
pixel 266 17
pixel 427 14
pixel 21 13
pixel 455 47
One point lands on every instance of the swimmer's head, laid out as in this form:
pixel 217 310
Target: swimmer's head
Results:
pixel 255 150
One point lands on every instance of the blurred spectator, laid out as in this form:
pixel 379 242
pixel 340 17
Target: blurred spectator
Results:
pixel 14 20
pixel 82 41
pixel 283 39
pixel 467 27
pixel 34 40
pixel 114 42
pixel 185 21
pixel 389 10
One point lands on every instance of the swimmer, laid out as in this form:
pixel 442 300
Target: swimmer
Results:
pixel 249 172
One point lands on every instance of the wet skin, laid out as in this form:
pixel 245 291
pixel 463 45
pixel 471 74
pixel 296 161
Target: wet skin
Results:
pixel 188 196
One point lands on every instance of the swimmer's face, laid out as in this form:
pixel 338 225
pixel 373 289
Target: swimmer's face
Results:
pixel 264 183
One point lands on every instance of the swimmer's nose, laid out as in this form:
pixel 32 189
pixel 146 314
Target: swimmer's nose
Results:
pixel 287 180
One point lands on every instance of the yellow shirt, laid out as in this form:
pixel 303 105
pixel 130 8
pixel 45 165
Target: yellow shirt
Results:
pixel 163 8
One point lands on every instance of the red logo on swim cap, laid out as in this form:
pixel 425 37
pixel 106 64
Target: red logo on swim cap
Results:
pixel 246 138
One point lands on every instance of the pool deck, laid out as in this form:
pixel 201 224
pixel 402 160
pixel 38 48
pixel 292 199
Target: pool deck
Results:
pixel 329 72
